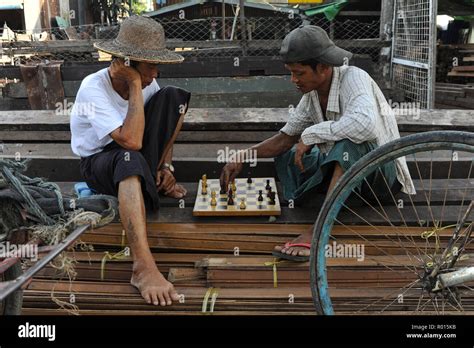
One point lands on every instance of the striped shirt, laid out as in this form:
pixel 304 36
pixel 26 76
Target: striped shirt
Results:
pixel 357 110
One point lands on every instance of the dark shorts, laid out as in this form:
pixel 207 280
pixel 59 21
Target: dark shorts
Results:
pixel 105 170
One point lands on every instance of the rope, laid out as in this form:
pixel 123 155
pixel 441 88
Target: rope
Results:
pixel 18 185
pixel 275 271
pixel 213 300
pixel 65 265
pixel 53 231
pixel 434 232
pixel 122 242
pixel 107 256
pixel 206 299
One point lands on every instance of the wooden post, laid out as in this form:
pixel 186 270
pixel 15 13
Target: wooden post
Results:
pixel 331 30
pixel 243 27
pixel 386 19
pixel 223 20
pixel 386 33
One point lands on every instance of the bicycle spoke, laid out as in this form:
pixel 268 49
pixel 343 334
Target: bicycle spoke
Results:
pixel 412 285
pixel 387 220
pixel 409 239
pixel 446 190
pixel 424 192
pixel 378 248
pixel 465 193
pixel 399 211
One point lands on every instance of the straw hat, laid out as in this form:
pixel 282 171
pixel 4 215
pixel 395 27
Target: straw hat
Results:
pixel 141 39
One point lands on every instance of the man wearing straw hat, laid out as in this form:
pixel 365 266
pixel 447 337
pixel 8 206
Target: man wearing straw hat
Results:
pixel 123 127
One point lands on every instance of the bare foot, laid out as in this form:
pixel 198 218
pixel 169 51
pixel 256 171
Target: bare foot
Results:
pixel 297 251
pixel 153 287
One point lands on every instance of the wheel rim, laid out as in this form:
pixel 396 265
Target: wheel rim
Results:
pixel 454 141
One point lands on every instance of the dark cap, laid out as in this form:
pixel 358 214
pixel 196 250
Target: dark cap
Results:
pixel 312 42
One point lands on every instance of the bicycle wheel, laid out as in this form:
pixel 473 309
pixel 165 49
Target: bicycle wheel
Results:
pixel 403 238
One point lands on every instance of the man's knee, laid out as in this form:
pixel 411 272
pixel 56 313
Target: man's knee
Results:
pixel 131 182
pixel 131 179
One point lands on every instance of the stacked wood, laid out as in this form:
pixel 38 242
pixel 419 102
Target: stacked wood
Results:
pixel 454 63
pixel 462 71
pixel 250 284
pixel 94 298
pixel 466 69
pixel 450 95
pixel 225 238
pixel 115 266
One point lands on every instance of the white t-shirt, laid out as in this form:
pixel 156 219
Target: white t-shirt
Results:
pixel 98 111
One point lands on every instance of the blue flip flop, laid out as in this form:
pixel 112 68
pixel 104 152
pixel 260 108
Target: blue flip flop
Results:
pixel 82 190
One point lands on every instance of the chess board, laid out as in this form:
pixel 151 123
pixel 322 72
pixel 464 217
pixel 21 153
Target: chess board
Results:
pixel 203 207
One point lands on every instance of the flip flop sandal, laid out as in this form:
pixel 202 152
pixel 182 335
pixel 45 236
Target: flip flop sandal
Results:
pixel 297 258
pixel 82 190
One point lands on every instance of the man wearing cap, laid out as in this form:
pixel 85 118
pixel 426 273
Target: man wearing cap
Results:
pixel 123 127
pixel 342 116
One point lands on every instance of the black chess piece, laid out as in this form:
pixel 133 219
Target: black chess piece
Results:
pixel 272 198
pixel 249 180
pixel 260 196
pixel 268 187
pixel 231 200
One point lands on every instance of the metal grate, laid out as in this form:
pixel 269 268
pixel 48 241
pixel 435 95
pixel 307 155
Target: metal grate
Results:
pixel 197 38
pixel 413 50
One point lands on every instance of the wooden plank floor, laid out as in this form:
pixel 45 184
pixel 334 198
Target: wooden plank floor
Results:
pixel 204 258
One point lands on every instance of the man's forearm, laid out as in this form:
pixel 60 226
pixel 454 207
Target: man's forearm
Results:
pixel 274 146
pixel 168 158
pixel 134 124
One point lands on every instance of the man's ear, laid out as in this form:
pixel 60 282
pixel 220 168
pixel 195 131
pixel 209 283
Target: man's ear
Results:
pixel 322 68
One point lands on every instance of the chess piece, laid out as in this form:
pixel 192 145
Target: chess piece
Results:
pixel 242 204
pixel 234 188
pixel 260 196
pixel 213 201
pixel 268 187
pixel 204 184
pixel 230 201
pixel 272 198
pixel 249 180
pixel 213 194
